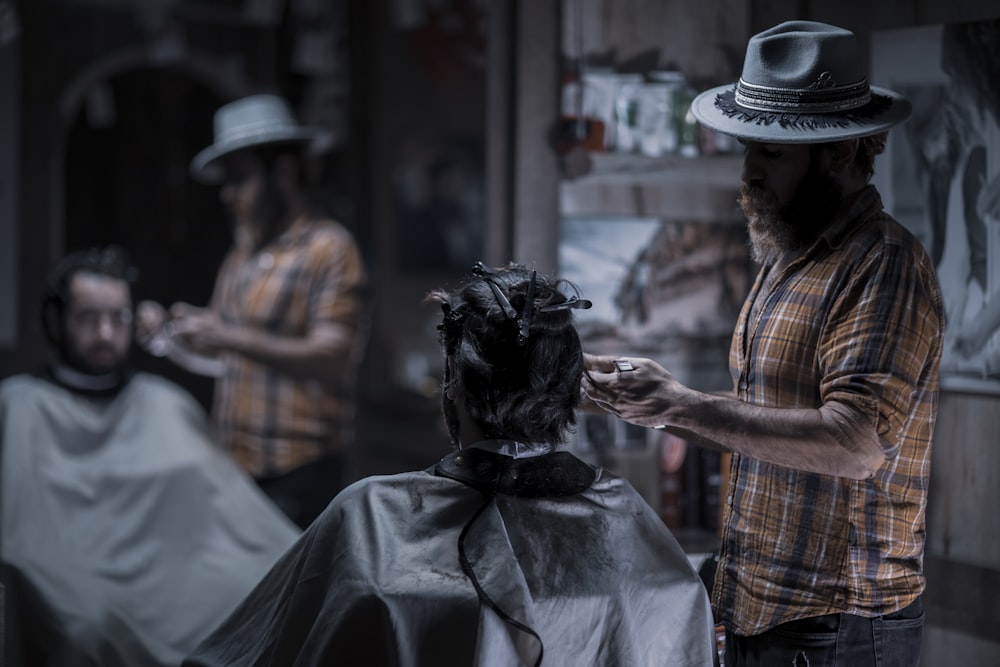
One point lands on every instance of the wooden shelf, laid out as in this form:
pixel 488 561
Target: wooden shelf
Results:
pixel 671 187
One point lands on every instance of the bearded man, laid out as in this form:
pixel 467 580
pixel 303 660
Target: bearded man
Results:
pixel 834 361
pixel 127 533
pixel 285 329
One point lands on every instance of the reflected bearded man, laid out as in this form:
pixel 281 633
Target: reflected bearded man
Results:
pixel 834 361
pixel 127 534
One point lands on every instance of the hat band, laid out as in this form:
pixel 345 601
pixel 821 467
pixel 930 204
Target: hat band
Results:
pixel 812 101
pixel 262 128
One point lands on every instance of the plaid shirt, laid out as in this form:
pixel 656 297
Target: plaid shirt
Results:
pixel 270 422
pixel 857 319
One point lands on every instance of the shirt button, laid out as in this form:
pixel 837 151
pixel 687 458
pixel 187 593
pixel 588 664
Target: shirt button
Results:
pixel 459 461
pixel 729 500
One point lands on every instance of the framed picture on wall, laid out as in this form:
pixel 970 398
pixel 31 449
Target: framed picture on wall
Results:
pixel 940 177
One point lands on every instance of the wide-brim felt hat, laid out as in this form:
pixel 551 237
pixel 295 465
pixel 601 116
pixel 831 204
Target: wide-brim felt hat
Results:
pixel 254 122
pixel 802 82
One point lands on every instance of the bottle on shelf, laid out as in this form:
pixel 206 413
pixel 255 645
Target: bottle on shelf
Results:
pixel 689 134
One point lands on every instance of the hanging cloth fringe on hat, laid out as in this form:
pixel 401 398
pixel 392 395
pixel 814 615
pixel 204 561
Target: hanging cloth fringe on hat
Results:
pixel 727 104
pixel 802 82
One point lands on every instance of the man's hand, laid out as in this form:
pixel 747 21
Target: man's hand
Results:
pixel 640 395
pixel 199 329
pixel 149 320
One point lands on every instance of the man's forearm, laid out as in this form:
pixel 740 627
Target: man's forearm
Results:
pixel 835 439
pixel 321 356
pixel 209 366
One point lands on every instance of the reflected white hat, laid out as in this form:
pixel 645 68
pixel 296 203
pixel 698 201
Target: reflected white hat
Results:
pixel 254 121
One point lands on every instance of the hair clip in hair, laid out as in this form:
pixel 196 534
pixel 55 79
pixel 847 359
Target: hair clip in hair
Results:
pixel 572 303
pixel 524 320
pixel 487 274
pixel 451 316
pixel 524 323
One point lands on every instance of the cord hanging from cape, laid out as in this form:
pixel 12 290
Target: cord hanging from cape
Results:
pixel 483 595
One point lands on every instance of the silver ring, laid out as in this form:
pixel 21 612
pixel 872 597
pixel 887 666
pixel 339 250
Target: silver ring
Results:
pixel 623 366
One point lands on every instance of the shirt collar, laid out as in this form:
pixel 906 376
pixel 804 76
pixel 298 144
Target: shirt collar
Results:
pixel 861 206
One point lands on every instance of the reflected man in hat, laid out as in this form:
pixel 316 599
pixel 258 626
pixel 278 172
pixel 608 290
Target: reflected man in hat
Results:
pixel 834 361
pixel 283 330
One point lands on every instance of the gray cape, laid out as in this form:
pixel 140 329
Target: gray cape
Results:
pixel 128 534
pixel 570 561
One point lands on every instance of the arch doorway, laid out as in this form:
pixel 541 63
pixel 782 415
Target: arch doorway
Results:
pixel 126 181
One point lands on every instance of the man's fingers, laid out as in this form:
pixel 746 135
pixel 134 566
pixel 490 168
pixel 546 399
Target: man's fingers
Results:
pixel 599 363
pixel 182 309
pixel 595 405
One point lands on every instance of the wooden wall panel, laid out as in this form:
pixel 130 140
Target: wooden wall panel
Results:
pixel 964 516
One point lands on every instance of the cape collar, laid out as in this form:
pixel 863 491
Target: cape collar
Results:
pixel 493 468
pixel 84 383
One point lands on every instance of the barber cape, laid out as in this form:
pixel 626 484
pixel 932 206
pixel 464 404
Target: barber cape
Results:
pixel 127 535
pixel 572 568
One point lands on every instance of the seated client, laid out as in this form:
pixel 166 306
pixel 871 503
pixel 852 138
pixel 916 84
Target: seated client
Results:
pixel 507 551
pixel 127 533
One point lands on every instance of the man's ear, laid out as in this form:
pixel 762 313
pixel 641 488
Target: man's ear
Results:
pixel 52 321
pixel 841 154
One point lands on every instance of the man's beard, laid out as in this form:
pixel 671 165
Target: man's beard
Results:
pixel 83 362
pixel 267 216
pixel 270 211
pixel 775 229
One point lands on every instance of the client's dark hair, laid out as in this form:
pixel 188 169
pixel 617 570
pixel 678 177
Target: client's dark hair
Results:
pixel 513 353
pixel 111 261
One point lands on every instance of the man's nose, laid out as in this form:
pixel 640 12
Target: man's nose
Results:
pixel 108 324
pixel 105 327
pixel 751 172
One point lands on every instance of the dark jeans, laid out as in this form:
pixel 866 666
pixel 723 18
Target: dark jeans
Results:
pixel 834 640
pixel 302 494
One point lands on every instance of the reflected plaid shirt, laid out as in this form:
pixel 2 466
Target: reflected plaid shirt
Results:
pixel 857 319
pixel 272 423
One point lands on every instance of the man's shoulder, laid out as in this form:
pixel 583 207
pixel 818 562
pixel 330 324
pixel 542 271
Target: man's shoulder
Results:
pixel 873 229
pixel 891 238
pixel 330 246
pixel 28 386
pixel 23 384
pixel 403 493
pixel 158 388
pixel 143 381
pixel 386 485
pixel 327 231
